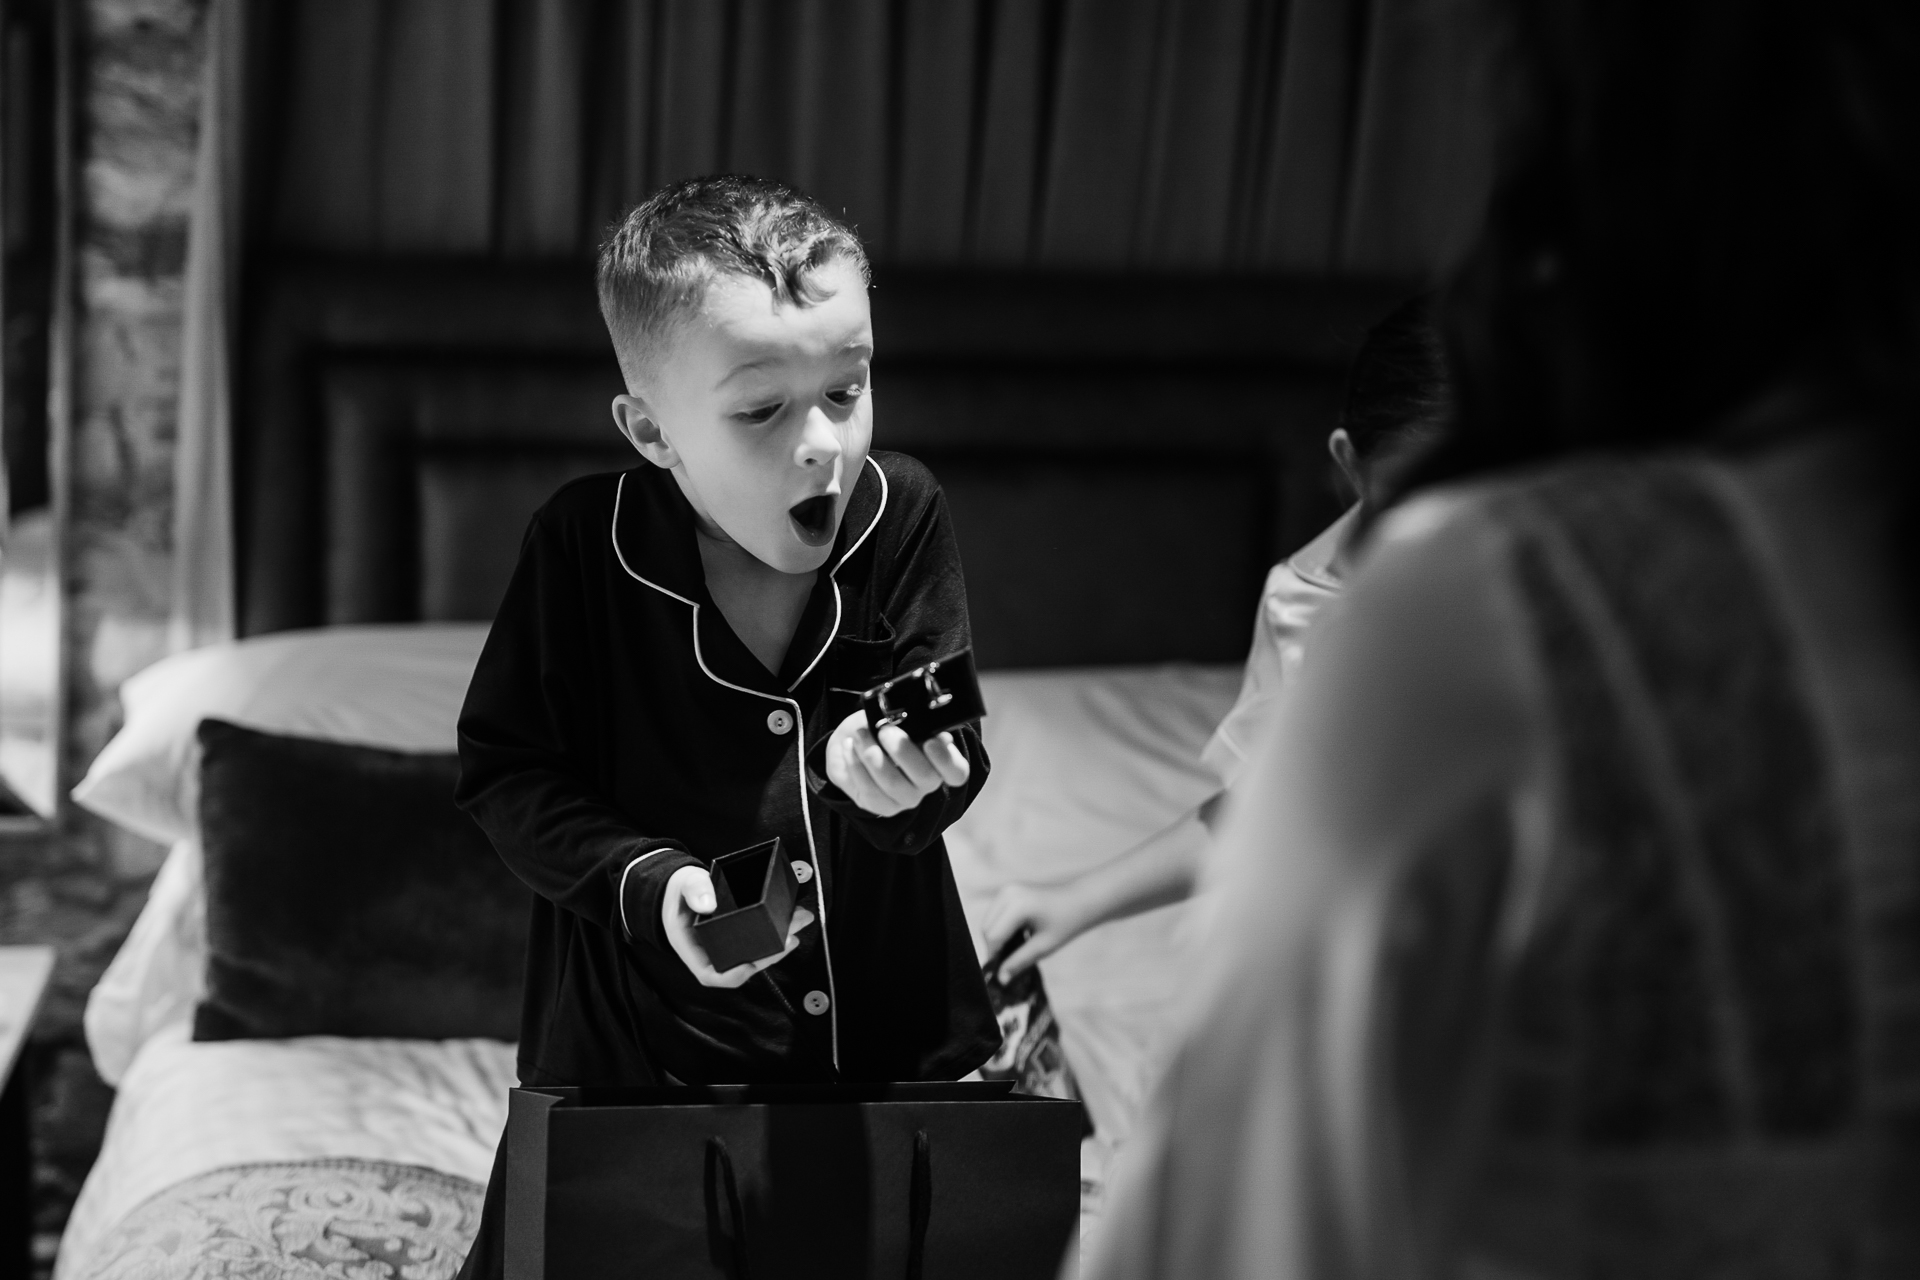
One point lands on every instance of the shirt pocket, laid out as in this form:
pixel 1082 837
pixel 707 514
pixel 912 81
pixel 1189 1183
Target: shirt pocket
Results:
pixel 854 665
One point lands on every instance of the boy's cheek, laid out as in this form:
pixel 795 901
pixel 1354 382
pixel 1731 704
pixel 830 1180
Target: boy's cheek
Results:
pixel 860 427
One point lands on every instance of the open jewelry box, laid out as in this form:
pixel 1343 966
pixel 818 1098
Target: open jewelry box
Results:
pixel 756 892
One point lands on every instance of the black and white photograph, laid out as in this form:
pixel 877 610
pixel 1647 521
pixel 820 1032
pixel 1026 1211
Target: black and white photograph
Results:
pixel 959 640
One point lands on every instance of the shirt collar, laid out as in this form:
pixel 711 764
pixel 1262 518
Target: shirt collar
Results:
pixel 653 529
pixel 1318 561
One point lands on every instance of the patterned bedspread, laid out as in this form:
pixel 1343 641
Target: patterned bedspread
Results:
pixel 304 1219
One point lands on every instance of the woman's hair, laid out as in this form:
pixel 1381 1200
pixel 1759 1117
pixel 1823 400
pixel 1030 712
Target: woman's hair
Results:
pixel 1699 202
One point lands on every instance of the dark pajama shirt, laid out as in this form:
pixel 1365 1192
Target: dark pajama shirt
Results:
pixel 617 730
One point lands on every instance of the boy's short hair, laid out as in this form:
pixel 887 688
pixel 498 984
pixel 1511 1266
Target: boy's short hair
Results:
pixel 1397 387
pixel 656 264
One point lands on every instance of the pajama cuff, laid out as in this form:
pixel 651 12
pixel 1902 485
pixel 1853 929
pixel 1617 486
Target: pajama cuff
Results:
pixel 643 884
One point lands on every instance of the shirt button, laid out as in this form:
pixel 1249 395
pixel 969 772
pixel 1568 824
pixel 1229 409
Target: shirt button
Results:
pixel 814 1002
pixel 780 722
pixel 802 871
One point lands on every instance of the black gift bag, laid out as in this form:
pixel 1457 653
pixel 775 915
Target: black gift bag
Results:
pixel 767 1182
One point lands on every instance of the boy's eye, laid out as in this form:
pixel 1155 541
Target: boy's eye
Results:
pixel 847 395
pixel 763 413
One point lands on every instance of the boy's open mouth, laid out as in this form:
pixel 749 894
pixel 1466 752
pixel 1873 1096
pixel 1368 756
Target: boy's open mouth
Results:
pixel 813 520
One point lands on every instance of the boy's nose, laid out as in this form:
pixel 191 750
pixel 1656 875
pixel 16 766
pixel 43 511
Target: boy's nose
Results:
pixel 819 440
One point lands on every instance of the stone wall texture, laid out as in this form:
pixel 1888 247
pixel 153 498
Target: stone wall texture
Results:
pixel 138 88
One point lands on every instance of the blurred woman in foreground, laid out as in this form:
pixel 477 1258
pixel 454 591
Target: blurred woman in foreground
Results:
pixel 1569 922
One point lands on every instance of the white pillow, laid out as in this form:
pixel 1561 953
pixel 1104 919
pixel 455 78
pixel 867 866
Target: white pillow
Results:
pixel 159 972
pixel 390 686
pixel 1088 761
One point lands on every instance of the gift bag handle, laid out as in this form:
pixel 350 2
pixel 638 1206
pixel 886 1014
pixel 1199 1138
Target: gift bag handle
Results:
pixel 720 1161
pixel 919 1206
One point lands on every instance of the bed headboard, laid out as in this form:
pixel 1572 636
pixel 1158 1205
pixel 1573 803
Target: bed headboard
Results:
pixel 1124 456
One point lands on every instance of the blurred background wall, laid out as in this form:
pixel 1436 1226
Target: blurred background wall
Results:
pixel 1130 135
pixel 1336 137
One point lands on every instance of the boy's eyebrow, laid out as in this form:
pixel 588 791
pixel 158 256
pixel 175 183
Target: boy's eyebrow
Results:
pixel 857 347
pixel 747 366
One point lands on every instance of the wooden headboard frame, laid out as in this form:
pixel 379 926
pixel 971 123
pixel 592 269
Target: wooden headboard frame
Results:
pixel 1124 455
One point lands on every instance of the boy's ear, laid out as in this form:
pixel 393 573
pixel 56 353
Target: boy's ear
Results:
pixel 642 430
pixel 1347 458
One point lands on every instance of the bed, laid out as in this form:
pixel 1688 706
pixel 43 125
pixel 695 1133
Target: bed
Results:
pixel 331 1155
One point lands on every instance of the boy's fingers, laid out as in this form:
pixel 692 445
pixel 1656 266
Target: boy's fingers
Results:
pixel 860 786
pixel 700 894
pixel 990 932
pixel 948 761
pixel 841 764
pixel 893 790
pixel 694 956
pixel 1026 955
pixel 910 759
pixel 801 919
pixel 1003 920
pixel 867 749
pixel 886 774
pixel 738 975
pixel 870 797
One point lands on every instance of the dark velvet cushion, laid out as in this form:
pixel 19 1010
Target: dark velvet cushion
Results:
pixel 347 896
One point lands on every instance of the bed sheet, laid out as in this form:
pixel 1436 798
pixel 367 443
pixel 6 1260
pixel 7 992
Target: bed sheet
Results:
pixel 1086 764
pixel 186 1109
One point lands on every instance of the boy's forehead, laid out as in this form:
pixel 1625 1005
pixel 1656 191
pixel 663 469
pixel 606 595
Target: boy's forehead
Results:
pixel 739 318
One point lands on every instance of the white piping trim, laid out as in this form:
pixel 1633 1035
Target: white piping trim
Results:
pixel 613 533
pixel 806 818
pixel 832 631
pixel 871 524
pixel 623 886
pixel 831 576
pixel 799 721
pixel 613 536
pixel 820 894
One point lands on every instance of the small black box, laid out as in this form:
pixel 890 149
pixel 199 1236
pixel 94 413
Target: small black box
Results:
pixel 943 694
pixel 756 892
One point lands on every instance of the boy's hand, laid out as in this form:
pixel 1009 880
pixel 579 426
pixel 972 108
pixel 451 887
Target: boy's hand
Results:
pixel 689 895
pixel 891 773
pixel 1051 911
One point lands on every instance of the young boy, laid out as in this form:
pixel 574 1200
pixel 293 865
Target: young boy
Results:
pixel 668 680
pixel 1396 394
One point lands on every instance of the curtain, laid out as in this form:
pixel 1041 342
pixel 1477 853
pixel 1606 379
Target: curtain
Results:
pixel 1114 135
pixel 203 602
pixel 1198 136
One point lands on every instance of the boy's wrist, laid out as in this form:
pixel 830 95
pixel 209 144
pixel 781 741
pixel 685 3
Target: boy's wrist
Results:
pixel 642 888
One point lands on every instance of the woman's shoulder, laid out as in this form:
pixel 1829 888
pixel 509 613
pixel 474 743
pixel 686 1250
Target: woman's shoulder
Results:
pixel 1441 530
pixel 1430 640
pixel 1589 500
